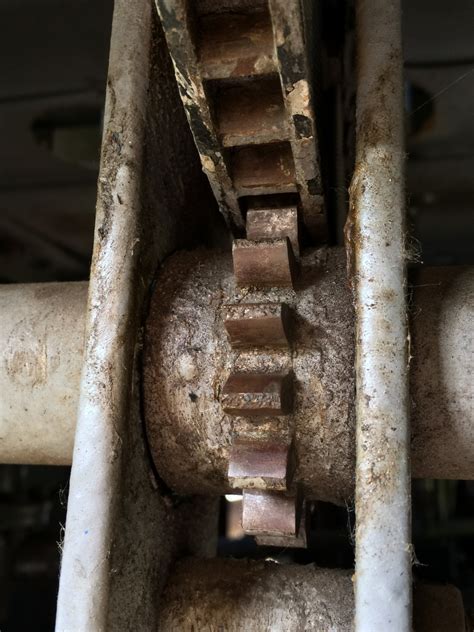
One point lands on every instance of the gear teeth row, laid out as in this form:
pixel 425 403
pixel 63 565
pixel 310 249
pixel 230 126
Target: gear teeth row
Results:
pixel 244 74
pixel 263 466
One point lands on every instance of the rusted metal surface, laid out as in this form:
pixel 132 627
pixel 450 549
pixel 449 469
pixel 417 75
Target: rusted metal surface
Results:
pixel 42 342
pixel 253 113
pixel 383 502
pixel 259 465
pixel 257 394
pixel 298 541
pixel 263 169
pixel 186 359
pixel 274 224
pixel 267 513
pixel 263 394
pixel 175 21
pixel 189 358
pixel 235 44
pixel 266 263
pixel 270 597
pixel 258 324
pixel 112 568
pixel 245 82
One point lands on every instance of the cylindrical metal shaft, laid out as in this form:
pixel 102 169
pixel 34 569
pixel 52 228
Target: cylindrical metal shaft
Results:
pixel 222 594
pixel 42 341
pixel 376 240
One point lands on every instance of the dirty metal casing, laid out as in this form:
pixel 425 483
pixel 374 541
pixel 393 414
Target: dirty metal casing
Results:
pixel 264 595
pixel 244 73
pixel 188 358
pixel 441 407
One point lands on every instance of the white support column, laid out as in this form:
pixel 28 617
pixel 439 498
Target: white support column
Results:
pixel 383 537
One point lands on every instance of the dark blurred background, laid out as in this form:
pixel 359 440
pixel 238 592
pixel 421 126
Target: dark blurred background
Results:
pixel 53 69
pixel 53 57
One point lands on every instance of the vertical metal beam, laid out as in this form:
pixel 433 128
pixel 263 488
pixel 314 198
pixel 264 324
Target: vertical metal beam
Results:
pixel 383 550
pixel 111 329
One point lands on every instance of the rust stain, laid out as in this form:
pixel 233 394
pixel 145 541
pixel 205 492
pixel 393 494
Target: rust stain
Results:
pixel 352 233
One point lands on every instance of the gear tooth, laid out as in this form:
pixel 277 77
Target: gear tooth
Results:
pixel 265 263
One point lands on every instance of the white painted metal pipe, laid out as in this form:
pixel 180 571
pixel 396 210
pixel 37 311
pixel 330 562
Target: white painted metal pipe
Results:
pixel 383 544
pixel 41 342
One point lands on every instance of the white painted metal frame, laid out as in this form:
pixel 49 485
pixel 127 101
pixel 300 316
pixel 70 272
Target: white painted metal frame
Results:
pixel 104 404
pixel 383 544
